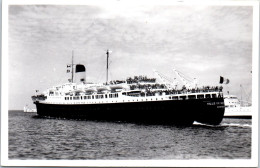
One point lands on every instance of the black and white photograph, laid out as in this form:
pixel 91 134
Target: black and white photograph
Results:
pixel 120 83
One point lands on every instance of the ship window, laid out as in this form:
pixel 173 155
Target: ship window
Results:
pixel 96 96
pixel 200 96
pixel 81 97
pixel 214 95
pixel 93 97
pixel 174 97
pixel 85 97
pixel 182 97
pixel 192 97
pixel 106 96
pixel 207 95
pixel 70 98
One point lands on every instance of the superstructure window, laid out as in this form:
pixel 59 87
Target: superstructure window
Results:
pixel 174 97
pixel 192 96
pixel 200 96
pixel 183 97
pixel 51 93
pixel 208 96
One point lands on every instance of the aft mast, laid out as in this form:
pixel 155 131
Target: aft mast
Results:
pixel 72 70
pixel 107 66
pixel 72 73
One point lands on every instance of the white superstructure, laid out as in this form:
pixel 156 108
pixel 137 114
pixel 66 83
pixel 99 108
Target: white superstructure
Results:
pixel 233 107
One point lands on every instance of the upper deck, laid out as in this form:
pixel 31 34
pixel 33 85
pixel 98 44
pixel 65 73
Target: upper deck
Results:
pixel 121 93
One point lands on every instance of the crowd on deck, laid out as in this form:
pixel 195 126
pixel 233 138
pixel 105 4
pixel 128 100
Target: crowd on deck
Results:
pixel 138 79
pixel 150 87
pixel 134 80
pixel 151 92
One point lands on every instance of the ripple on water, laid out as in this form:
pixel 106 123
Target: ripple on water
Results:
pixel 37 138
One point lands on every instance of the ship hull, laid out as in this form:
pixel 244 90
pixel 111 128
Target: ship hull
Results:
pixel 167 112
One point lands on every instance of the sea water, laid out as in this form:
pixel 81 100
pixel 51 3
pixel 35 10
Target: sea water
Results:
pixel 47 139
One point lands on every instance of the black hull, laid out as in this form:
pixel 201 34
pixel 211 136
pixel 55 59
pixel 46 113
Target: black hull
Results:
pixel 167 112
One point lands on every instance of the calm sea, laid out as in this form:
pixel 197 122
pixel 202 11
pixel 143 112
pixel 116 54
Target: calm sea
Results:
pixel 36 138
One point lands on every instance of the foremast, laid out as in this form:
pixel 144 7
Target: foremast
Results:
pixel 71 80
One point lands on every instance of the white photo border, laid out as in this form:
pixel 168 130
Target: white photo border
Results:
pixel 253 162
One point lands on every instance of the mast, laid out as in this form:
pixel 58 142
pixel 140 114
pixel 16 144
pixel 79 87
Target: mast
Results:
pixel 72 67
pixel 241 95
pixel 107 66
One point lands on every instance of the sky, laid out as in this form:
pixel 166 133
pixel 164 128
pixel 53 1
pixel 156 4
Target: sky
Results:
pixel 203 42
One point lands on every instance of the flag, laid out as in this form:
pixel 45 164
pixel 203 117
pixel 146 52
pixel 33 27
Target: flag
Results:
pixel 223 80
pixel 68 66
pixel 80 68
pixel 69 80
pixel 68 71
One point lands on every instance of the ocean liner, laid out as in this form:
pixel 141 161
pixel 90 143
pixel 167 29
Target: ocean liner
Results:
pixel 137 99
pixel 235 109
